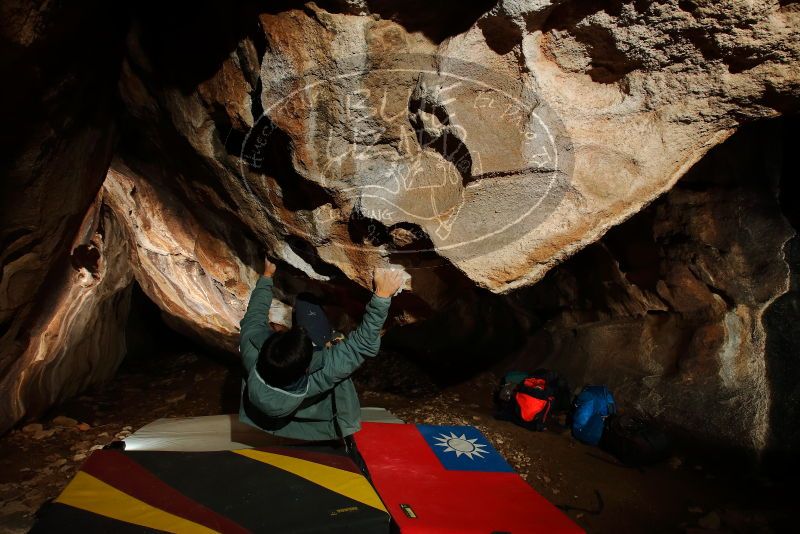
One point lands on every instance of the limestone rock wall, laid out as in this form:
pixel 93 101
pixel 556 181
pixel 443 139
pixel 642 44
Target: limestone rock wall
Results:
pixel 57 118
pixel 183 265
pixel 77 338
pixel 673 319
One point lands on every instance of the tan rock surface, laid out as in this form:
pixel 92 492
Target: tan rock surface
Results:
pixel 78 338
pixel 58 132
pixel 196 279
pixel 504 148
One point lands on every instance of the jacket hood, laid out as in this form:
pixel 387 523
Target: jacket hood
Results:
pixel 277 402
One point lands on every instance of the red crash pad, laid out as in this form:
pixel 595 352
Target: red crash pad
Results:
pixel 450 479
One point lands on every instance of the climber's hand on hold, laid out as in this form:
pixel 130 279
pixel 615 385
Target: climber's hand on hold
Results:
pixel 269 268
pixel 387 281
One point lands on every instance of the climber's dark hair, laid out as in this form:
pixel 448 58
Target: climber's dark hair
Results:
pixel 285 357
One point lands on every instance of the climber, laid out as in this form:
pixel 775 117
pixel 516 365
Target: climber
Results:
pixel 297 384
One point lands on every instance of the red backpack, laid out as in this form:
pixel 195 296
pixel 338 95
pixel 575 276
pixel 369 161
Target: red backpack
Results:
pixel 533 400
pixel 528 398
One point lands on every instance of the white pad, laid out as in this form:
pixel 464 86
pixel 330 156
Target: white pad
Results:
pixel 218 433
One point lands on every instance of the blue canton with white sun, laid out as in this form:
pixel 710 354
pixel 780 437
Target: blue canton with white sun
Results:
pixel 463 448
pixel 461 445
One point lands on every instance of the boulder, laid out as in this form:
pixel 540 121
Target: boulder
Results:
pixel 346 141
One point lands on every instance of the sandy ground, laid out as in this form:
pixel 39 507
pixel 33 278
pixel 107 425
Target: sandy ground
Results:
pixel 688 493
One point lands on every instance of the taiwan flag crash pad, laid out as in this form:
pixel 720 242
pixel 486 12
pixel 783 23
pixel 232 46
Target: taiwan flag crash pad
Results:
pixel 450 479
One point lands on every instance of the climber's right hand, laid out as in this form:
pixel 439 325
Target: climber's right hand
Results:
pixel 269 268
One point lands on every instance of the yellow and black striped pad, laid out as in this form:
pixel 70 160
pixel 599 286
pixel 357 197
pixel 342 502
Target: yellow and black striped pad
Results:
pixel 288 489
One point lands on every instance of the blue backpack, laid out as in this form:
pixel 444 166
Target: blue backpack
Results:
pixel 591 407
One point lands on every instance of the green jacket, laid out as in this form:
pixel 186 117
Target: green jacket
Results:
pixel 306 412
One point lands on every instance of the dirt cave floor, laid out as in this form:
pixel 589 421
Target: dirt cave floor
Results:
pixel 688 493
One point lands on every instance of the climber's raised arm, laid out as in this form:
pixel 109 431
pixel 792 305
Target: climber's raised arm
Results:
pixel 254 326
pixel 343 359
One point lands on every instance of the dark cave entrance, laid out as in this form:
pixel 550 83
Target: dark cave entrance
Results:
pixel 782 321
pixel 147 335
pixel 154 346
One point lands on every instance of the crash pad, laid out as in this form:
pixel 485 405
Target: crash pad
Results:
pixel 451 479
pixel 268 489
pixel 218 433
